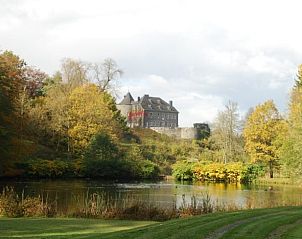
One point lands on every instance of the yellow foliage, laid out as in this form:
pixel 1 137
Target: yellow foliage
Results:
pixel 261 132
pixel 295 114
pixel 218 172
pixel 89 114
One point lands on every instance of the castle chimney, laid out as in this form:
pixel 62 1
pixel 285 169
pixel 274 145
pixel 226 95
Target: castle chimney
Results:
pixel 171 103
pixel 138 99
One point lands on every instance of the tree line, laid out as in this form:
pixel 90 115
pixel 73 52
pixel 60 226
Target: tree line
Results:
pixel 263 143
pixel 67 124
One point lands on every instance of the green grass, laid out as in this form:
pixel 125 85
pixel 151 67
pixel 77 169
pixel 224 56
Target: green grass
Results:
pixel 282 222
pixel 63 227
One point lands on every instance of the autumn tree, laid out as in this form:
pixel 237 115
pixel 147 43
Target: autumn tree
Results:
pixel 292 147
pixel 261 134
pixel 226 133
pixel 89 114
pixel 11 115
pixel 298 81
pixel 34 81
pixel 106 74
pixel 48 114
pixel 74 72
pixel 55 112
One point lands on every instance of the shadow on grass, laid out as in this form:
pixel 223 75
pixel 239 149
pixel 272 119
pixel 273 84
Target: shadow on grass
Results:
pixel 63 228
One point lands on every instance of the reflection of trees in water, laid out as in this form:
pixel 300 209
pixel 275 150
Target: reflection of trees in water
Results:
pixel 69 194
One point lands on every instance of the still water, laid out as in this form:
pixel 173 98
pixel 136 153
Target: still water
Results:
pixel 163 193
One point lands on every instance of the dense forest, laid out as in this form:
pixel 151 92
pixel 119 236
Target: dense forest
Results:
pixel 67 125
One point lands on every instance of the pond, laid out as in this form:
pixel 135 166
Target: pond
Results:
pixel 163 193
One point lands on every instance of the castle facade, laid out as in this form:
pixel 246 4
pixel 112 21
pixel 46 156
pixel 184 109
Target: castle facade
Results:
pixel 162 117
pixel 148 112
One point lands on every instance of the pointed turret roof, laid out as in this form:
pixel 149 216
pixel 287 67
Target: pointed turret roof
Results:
pixel 128 99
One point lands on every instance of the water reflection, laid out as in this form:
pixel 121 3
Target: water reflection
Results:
pixel 68 193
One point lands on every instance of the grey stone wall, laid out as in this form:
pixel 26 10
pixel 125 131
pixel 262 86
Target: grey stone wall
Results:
pixel 189 133
pixel 178 133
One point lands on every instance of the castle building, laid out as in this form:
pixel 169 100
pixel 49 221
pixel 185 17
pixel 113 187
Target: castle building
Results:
pixel 148 112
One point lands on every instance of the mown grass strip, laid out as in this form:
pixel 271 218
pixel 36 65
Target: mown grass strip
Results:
pixel 262 227
pixel 195 227
pixel 284 229
pixel 256 223
pixel 293 232
pixel 63 227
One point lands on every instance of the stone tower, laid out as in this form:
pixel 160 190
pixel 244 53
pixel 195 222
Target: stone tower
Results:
pixel 125 106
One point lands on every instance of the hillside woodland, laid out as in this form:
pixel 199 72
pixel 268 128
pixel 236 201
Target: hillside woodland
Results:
pixel 67 125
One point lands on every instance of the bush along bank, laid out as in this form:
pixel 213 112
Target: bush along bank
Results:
pixel 217 172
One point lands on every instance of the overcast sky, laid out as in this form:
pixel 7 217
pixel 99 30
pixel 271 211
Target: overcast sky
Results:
pixel 200 54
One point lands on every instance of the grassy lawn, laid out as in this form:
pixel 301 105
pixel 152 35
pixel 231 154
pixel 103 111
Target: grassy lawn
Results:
pixel 63 227
pixel 257 224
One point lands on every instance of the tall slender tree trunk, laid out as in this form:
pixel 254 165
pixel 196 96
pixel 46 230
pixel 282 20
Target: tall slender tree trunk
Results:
pixel 271 172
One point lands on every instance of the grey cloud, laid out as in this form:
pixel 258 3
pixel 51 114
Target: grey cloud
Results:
pixel 203 68
pixel 187 69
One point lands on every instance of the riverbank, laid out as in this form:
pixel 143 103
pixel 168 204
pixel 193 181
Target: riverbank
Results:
pixel 284 222
pixel 279 181
pixel 161 200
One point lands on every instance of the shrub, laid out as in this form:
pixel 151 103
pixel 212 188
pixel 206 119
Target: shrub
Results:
pixel 252 172
pixel 34 206
pixel 47 168
pixel 148 169
pixel 182 170
pixel 9 203
pixel 217 172
pixel 211 172
pixel 14 205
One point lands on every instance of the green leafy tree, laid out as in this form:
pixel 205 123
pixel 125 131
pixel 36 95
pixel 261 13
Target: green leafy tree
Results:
pixel 102 158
